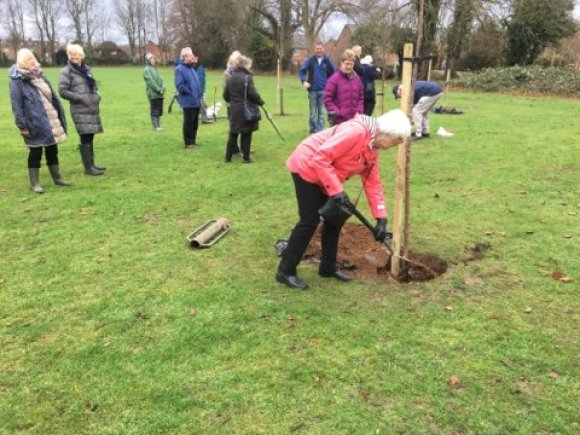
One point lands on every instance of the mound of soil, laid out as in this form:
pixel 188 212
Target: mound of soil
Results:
pixel 363 257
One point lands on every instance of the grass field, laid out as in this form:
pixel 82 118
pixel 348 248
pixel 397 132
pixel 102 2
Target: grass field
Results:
pixel 109 324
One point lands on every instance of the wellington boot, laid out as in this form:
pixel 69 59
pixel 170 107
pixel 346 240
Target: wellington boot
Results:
pixel 34 175
pixel 100 168
pixel 87 163
pixel 56 177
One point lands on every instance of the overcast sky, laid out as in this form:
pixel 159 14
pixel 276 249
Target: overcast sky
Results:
pixel 331 30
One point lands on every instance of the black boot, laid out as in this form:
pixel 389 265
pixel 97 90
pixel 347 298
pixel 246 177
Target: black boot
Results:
pixel 56 177
pixel 100 168
pixel 34 175
pixel 85 150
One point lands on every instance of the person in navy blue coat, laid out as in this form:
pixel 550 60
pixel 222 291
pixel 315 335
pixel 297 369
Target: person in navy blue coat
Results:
pixel 425 97
pixel 189 95
pixel 39 116
pixel 313 75
pixel 369 74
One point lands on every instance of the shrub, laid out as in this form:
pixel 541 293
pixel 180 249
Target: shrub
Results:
pixel 528 79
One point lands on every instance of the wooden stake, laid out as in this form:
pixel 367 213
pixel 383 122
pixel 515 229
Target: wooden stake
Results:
pixel 401 165
pixel 278 79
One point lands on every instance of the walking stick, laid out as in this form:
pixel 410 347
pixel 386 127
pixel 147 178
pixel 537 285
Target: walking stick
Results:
pixel 171 104
pixel 269 118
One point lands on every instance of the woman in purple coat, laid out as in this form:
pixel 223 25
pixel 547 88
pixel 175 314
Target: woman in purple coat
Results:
pixel 343 94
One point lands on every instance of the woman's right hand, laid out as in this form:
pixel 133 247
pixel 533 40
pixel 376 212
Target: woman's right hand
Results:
pixel 24 132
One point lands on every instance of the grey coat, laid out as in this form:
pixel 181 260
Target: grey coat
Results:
pixel 84 104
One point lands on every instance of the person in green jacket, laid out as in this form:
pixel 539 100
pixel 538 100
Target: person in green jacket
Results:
pixel 155 90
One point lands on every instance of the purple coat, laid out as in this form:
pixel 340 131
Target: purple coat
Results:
pixel 344 95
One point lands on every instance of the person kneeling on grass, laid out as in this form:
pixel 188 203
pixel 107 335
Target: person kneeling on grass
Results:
pixel 319 166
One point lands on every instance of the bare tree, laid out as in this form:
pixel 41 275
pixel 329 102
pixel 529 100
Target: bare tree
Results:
pixel 74 9
pixel 93 18
pixel 143 14
pixel 459 31
pixel 314 14
pixel 160 20
pixel 13 17
pixel 211 28
pixel 83 18
pixel 46 14
pixel 276 21
pixel 127 18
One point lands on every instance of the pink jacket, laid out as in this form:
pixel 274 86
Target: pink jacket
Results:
pixel 344 95
pixel 334 155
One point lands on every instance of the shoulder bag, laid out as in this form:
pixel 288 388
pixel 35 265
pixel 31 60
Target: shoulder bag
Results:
pixel 251 110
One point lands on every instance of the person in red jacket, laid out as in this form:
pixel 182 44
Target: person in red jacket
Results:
pixel 344 94
pixel 319 166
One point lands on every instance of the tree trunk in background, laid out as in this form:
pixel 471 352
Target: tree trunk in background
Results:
pixel 459 31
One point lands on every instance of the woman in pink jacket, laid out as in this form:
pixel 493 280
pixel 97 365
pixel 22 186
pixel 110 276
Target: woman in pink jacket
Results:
pixel 319 166
pixel 343 94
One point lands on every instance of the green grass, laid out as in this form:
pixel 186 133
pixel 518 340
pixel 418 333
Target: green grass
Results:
pixel 109 324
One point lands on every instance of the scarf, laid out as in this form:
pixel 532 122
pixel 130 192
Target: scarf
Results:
pixel 84 71
pixel 31 73
pixel 371 123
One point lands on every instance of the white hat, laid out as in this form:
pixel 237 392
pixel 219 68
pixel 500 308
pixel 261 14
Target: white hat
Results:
pixel 149 56
pixel 367 60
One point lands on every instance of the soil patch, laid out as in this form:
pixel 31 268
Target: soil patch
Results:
pixel 363 257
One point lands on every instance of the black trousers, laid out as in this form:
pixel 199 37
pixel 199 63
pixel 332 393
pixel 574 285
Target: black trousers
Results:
pixel 35 156
pixel 310 198
pixel 232 146
pixel 190 124
pixel 87 138
pixel 156 106
pixel 369 106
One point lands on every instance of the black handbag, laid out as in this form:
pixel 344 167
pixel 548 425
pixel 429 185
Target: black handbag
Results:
pixel 251 111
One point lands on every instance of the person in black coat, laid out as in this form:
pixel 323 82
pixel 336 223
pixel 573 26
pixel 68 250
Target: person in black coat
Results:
pixel 240 86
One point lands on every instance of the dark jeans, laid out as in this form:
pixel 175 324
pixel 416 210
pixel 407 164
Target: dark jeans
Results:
pixel 310 198
pixel 190 123
pixel 156 106
pixel 35 156
pixel 369 107
pixel 232 146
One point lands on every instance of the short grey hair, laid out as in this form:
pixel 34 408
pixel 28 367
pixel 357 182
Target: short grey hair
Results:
pixel 75 49
pixel 185 52
pixel 23 56
pixel 394 124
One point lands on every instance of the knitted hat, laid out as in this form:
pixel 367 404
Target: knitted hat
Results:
pixel 149 56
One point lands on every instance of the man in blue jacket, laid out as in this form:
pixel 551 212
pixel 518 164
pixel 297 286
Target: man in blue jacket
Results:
pixel 425 97
pixel 313 75
pixel 189 95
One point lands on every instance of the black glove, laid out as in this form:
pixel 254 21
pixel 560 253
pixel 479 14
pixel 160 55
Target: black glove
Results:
pixel 343 201
pixel 332 118
pixel 380 232
pixel 336 210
